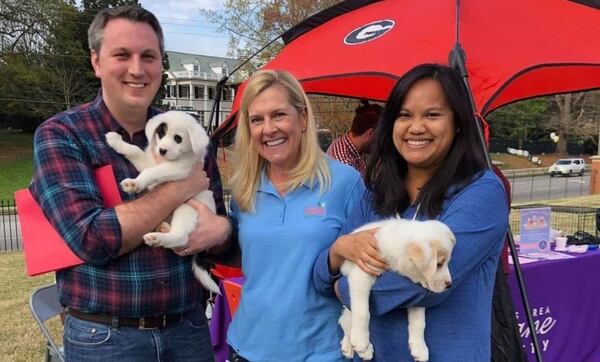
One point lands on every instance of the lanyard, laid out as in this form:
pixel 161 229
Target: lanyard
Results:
pixel 414 216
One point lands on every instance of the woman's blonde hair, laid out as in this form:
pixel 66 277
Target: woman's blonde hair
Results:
pixel 312 166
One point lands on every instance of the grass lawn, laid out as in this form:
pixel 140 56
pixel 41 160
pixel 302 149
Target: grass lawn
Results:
pixel 20 337
pixel 15 175
pixel 508 162
pixel 16 163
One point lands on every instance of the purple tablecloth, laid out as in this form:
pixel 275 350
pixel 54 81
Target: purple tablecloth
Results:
pixel 219 322
pixel 564 296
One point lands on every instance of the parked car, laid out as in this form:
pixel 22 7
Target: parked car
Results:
pixel 567 167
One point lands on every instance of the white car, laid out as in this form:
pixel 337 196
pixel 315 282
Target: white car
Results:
pixel 567 167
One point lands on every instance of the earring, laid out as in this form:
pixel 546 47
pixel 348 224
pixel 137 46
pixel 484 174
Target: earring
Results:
pixel 457 130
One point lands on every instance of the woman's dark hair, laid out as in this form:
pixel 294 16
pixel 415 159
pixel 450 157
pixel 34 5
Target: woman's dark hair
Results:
pixel 387 169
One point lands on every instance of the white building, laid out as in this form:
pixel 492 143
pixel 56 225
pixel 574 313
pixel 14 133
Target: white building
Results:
pixel 192 82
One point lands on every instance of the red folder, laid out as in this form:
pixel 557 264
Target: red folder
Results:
pixel 45 250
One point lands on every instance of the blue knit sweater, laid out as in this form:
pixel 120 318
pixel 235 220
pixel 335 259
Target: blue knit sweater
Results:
pixel 458 320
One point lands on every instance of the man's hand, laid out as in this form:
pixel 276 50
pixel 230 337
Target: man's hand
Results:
pixel 211 230
pixel 192 184
pixel 145 213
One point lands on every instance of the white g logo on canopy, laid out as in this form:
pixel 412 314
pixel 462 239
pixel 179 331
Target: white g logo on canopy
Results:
pixel 369 32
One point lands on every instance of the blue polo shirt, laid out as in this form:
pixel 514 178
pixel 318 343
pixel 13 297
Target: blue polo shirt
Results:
pixel 280 316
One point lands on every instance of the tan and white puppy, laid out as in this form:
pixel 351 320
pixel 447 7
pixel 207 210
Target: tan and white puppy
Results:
pixel 418 250
pixel 175 143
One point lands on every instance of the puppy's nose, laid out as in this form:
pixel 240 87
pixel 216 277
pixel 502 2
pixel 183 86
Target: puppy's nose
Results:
pixel 448 284
pixel 162 151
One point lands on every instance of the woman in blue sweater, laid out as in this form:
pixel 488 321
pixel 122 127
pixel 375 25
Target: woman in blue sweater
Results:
pixel 427 164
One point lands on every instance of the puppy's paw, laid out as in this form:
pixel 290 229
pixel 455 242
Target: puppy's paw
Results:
pixel 130 185
pixel 113 139
pixel 361 344
pixel 164 227
pixel 419 350
pixel 346 348
pixel 152 239
pixel 367 353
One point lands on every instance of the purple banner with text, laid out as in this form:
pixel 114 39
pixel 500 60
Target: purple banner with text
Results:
pixel 564 296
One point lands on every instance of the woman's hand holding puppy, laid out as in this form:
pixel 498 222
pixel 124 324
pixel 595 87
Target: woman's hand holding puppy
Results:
pixel 361 249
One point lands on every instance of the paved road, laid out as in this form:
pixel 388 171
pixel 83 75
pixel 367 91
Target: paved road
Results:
pixel 544 187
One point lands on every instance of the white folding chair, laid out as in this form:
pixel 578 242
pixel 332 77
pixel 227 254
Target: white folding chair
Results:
pixel 44 305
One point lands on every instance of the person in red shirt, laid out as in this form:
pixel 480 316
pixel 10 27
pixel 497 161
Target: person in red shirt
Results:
pixel 354 144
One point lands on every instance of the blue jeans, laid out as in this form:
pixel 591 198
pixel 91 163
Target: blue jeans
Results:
pixel 188 340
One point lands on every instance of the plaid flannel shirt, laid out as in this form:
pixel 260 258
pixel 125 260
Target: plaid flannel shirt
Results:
pixel 343 150
pixel 145 282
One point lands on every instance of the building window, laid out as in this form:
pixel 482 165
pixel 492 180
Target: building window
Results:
pixel 195 68
pixel 168 89
pixel 199 92
pixel 184 91
pixel 226 95
pixel 211 93
pixel 173 91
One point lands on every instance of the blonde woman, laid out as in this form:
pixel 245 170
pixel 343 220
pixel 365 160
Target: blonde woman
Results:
pixel 289 203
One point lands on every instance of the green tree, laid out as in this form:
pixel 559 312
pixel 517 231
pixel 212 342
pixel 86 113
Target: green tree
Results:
pixel 44 57
pixel 93 6
pixel 24 25
pixel 162 92
pixel 519 120
pixel 252 24
pixel 67 65
pixel 568 119
pixel 577 118
pixel 29 92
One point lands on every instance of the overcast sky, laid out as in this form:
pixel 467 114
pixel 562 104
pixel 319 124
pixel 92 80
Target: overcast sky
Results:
pixel 184 29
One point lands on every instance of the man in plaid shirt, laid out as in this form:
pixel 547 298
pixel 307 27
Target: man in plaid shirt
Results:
pixel 350 147
pixel 127 301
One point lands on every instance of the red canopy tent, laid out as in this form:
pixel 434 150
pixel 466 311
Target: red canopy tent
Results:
pixel 515 49
pixel 506 51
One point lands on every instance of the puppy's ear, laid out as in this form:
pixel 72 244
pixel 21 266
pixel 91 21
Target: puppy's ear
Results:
pixel 450 235
pixel 424 256
pixel 198 138
pixel 150 131
pixel 452 239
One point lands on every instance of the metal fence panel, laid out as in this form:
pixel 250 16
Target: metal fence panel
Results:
pixel 10 231
pixel 569 219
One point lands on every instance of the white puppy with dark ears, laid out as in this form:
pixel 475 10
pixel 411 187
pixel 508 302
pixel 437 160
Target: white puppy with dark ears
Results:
pixel 418 250
pixel 176 142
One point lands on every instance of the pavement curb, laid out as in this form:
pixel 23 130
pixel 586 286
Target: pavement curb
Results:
pixel 528 172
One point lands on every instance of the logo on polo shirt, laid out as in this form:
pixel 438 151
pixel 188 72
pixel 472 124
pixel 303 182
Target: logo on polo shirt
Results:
pixel 315 212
